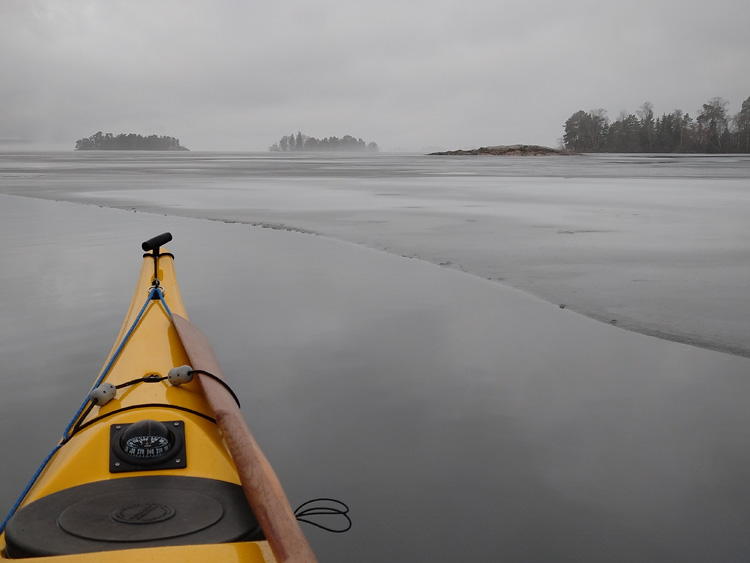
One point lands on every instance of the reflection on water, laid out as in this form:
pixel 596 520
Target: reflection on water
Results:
pixel 459 419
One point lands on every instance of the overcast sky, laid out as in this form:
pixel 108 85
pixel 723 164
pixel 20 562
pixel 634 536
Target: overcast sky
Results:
pixel 407 74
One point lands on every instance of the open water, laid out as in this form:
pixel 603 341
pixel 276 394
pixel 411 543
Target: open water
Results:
pixel 460 418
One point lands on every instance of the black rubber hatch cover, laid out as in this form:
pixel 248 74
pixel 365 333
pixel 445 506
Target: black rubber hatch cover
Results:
pixel 132 512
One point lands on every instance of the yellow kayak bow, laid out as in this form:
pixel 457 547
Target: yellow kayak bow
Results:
pixel 158 464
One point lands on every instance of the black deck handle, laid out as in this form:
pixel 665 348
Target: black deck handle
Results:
pixel 156 242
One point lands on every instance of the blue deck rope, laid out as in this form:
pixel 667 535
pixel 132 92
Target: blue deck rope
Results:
pixel 154 291
pixel 163 302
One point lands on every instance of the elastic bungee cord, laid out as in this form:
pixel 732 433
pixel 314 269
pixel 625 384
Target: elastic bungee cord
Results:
pixel 66 434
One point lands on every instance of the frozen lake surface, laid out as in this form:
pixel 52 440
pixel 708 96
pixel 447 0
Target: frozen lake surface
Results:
pixel 459 418
pixel 654 244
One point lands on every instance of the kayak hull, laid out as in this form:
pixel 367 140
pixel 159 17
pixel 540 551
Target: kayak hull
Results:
pixel 219 553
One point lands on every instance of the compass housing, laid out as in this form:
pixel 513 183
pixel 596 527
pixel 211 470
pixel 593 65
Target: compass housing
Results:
pixel 147 445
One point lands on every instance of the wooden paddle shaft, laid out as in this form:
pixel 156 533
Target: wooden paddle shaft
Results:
pixel 262 488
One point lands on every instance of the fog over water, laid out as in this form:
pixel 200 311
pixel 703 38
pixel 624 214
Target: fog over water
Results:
pixel 460 418
pixel 407 76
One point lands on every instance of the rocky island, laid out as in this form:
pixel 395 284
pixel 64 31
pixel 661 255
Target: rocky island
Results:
pixel 506 150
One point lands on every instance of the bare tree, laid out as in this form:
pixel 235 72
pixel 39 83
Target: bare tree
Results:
pixel 713 124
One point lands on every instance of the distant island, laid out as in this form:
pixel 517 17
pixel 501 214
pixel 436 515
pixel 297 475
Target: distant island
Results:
pixel 300 142
pixel 128 142
pixel 506 150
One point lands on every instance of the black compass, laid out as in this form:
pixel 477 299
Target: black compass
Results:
pixel 147 444
pixel 147 439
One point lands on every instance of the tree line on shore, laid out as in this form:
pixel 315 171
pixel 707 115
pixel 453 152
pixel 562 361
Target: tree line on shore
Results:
pixel 130 141
pixel 302 142
pixel 713 130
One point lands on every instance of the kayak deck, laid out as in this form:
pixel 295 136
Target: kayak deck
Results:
pixel 148 474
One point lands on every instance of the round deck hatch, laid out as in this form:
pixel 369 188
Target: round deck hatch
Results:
pixel 143 515
pixel 132 512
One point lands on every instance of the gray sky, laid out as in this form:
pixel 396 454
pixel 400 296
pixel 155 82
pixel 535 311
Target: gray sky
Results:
pixel 407 74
